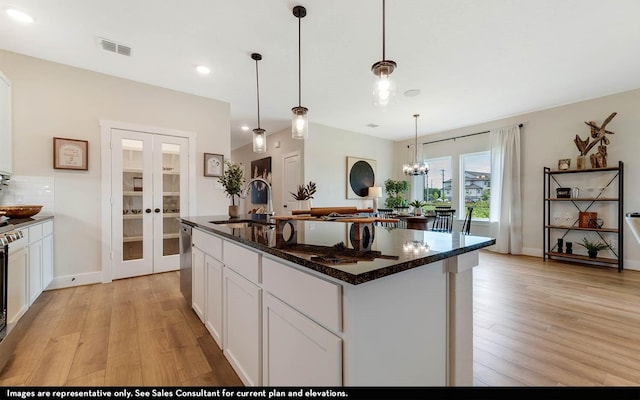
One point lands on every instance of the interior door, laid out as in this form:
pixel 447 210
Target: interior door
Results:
pixel 149 191
pixel 292 177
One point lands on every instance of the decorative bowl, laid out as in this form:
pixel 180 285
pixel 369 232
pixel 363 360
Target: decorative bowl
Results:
pixel 20 211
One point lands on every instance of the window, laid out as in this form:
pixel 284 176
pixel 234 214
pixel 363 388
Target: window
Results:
pixel 475 183
pixel 437 182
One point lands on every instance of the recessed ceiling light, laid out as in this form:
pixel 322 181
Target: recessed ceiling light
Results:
pixel 372 125
pixel 202 69
pixel 412 92
pixel 244 128
pixel 20 15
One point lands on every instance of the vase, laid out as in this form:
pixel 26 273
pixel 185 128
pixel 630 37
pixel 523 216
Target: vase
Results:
pixel 580 162
pixel 592 253
pixel 417 211
pixel 234 211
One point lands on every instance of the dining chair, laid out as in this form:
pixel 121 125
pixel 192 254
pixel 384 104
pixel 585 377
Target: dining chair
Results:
pixel 443 221
pixel 387 213
pixel 466 225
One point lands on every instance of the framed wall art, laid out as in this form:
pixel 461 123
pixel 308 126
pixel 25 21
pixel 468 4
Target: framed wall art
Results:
pixel 260 169
pixel 361 175
pixel 70 154
pixel 564 164
pixel 213 164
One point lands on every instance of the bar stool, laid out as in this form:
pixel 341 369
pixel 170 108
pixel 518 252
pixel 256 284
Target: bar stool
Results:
pixel 466 225
pixel 443 221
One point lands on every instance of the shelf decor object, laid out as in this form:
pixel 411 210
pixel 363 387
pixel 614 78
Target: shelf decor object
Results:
pixel 599 215
pixel 70 154
pixel 598 134
pixel 213 164
pixel 300 120
pixel 383 86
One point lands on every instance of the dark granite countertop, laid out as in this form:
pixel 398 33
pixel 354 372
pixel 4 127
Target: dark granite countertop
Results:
pixel 328 246
pixel 21 223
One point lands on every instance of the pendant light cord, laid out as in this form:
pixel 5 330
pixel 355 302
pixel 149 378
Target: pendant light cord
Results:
pixel 415 158
pixel 258 93
pixel 383 31
pixel 299 66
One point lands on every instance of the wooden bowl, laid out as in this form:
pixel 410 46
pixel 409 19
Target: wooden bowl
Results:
pixel 21 211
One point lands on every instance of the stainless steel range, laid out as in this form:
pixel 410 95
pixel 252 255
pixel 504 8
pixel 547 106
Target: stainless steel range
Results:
pixel 6 236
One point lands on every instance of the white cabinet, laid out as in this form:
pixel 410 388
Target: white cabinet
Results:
pixel 35 271
pixel 198 281
pixel 242 329
pixel 296 350
pixel 213 310
pixel 6 132
pixel 47 254
pixel 17 284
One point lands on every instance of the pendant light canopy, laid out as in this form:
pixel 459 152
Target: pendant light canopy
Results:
pixel 259 135
pixel 417 167
pixel 299 122
pixel 383 86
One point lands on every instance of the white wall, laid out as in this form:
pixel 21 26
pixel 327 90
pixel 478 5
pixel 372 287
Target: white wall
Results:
pixel 51 99
pixel 547 136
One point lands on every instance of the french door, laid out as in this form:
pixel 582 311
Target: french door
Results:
pixel 149 191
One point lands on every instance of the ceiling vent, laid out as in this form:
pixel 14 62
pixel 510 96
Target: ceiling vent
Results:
pixel 110 45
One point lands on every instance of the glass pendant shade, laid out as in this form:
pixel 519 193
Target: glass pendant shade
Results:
pixel 259 141
pixel 299 123
pixel 384 87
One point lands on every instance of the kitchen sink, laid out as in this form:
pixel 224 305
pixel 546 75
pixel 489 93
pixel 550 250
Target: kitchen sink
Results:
pixel 242 223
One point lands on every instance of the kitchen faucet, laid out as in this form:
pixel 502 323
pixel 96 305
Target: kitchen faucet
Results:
pixel 269 202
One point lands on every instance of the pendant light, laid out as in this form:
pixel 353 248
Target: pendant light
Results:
pixel 300 121
pixel 259 136
pixel 417 167
pixel 383 86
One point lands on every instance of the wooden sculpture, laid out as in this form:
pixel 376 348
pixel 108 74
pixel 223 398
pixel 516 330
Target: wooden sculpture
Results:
pixel 598 134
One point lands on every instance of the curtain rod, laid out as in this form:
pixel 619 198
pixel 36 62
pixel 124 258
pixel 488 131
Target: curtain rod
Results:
pixel 463 136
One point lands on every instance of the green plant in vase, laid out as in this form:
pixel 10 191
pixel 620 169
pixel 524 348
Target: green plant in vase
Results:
pixel 396 191
pixel 232 181
pixel 593 247
pixel 417 206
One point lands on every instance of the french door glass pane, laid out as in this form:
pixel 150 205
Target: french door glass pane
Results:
pixel 170 198
pixel 132 190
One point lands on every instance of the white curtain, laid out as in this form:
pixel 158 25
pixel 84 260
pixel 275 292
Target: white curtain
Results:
pixel 506 198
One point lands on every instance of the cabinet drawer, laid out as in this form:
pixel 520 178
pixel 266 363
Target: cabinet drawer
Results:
pixel 244 261
pixel 318 299
pixel 35 233
pixel 47 228
pixel 208 243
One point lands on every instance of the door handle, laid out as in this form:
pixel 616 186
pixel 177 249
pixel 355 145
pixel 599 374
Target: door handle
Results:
pixel 157 210
pixel 148 210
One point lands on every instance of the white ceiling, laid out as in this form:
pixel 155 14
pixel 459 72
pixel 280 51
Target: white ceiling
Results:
pixel 473 60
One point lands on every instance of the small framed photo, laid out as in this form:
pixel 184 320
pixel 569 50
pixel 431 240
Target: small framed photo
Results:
pixel 70 154
pixel 564 164
pixel 213 164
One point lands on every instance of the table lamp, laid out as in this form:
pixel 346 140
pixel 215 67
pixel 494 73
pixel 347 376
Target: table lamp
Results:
pixel 375 192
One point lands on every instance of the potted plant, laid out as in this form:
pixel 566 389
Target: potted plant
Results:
pixel 593 247
pixel 304 194
pixel 396 191
pixel 417 206
pixel 232 181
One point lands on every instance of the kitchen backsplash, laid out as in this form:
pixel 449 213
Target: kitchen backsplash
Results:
pixel 29 190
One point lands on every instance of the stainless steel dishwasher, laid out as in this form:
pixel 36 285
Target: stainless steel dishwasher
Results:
pixel 185 261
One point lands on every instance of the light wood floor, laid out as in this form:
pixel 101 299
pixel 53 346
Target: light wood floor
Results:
pixel 131 332
pixel 535 324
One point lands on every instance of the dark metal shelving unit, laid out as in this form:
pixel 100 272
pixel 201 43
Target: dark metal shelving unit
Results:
pixel 583 204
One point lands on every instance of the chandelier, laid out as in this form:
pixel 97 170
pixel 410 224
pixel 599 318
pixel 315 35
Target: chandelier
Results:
pixel 417 167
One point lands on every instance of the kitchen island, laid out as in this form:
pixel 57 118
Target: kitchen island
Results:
pixel 318 303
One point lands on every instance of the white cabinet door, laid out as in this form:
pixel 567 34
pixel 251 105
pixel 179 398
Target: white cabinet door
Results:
pixel 47 261
pixel 213 297
pixel 198 282
pixel 297 351
pixel 6 133
pixel 35 271
pixel 242 327
pixel 17 287
pixel 149 191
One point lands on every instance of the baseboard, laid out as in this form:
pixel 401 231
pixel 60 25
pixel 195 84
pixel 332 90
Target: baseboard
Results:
pixel 88 278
